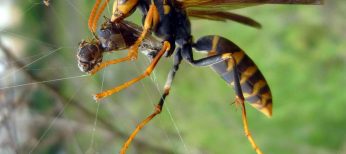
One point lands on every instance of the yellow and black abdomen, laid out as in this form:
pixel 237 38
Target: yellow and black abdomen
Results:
pixel 253 84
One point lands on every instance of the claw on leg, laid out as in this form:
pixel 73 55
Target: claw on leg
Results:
pixel 158 108
pixel 157 111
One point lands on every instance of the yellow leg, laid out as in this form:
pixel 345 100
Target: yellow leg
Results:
pixel 239 100
pixel 98 14
pixel 157 111
pixel 92 14
pixel 246 127
pixel 110 62
pixel 158 108
pixel 151 18
pixel 150 68
pixel 95 14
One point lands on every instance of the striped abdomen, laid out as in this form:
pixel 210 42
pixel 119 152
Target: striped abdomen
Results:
pixel 253 84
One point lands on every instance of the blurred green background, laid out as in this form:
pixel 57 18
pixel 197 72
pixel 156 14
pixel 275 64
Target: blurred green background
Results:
pixel 46 105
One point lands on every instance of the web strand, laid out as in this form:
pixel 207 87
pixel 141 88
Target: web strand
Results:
pixel 152 100
pixel 77 10
pixel 170 114
pixel 154 81
pixel 59 20
pixel 38 59
pixel 31 40
pixel 92 142
pixel 46 81
pixel 54 121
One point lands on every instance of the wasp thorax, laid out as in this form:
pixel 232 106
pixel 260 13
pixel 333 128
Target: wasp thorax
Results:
pixel 89 54
pixel 111 38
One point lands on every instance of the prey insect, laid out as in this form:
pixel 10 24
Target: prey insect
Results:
pixel 226 58
pixel 113 37
pixel 169 20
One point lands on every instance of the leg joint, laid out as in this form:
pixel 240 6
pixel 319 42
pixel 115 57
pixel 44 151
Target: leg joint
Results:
pixel 158 109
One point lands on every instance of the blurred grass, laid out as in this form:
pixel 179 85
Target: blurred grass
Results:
pixel 300 50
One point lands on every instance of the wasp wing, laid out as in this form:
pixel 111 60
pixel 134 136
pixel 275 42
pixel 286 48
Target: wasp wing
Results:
pixel 223 16
pixel 235 4
pixel 212 9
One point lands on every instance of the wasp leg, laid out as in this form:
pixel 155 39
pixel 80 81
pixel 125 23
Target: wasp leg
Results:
pixel 110 62
pixel 95 14
pixel 150 68
pixel 98 14
pixel 158 107
pixel 207 61
pixel 151 18
pixel 240 100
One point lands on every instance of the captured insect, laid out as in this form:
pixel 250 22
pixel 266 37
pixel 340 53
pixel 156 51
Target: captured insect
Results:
pixel 113 37
pixel 169 20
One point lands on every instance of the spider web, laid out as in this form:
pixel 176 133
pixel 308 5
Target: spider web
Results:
pixel 46 104
pixel 48 100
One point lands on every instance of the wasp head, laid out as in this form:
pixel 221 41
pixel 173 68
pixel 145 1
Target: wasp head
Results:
pixel 89 55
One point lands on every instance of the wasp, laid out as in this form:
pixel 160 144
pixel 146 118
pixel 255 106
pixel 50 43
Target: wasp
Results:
pixel 234 66
pixel 169 21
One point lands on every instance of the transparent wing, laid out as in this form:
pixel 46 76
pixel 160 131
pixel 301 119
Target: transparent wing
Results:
pixel 223 16
pixel 236 4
